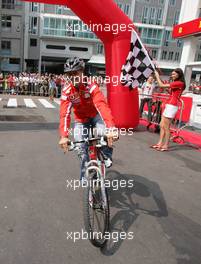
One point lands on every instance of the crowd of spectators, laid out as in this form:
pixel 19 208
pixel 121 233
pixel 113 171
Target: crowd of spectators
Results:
pixel 31 84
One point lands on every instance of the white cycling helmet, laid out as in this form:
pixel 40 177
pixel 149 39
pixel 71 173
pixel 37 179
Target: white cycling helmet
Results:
pixel 74 64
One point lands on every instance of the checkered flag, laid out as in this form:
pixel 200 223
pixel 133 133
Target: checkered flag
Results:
pixel 138 66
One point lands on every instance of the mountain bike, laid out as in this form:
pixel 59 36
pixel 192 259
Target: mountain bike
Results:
pixel 95 197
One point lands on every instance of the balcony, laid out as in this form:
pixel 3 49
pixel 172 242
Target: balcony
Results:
pixel 65 33
pixel 151 41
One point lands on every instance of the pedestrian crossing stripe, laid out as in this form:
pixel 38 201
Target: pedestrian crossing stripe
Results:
pixel 45 103
pixel 12 102
pixel 30 103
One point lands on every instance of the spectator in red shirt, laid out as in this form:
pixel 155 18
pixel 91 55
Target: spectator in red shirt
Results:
pixel 175 89
pixel 58 85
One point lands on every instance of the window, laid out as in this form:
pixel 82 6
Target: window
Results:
pixel 34 7
pixel 159 16
pixel 6 22
pixel 120 5
pixel 170 56
pixel 55 47
pixel 8 4
pixel 199 13
pixel 5 47
pixel 199 57
pixel 176 58
pixel 33 42
pixel 172 2
pixel 33 25
pixel 14 61
pixel 176 17
pixel 152 15
pixel 179 43
pixel 164 55
pixel 154 53
pixel 161 2
pixel 145 15
pixel 151 36
pixel 100 49
pixel 66 27
pixel 78 49
pixel 167 37
pixel 127 9
pixel 59 9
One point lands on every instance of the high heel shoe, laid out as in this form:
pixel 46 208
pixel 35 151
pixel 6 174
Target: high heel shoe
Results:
pixel 156 146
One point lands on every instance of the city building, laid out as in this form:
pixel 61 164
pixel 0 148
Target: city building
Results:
pixel 11 35
pixel 39 37
pixel 155 20
pixel 191 53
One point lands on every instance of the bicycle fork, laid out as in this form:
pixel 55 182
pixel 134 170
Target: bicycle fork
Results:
pixel 94 165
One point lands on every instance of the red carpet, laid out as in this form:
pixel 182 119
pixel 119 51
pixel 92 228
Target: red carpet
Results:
pixel 190 137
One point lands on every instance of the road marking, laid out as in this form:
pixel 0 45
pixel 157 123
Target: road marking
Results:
pixel 57 101
pixel 12 102
pixel 29 103
pixel 45 103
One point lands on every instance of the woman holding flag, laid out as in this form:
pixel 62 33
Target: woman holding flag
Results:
pixel 175 89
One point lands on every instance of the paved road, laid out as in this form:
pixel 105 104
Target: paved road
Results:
pixel 37 209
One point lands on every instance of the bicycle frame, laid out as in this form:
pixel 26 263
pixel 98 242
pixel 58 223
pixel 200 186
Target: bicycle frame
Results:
pixel 97 164
pixel 96 156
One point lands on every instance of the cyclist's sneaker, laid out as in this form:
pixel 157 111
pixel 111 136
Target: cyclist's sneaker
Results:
pixel 108 163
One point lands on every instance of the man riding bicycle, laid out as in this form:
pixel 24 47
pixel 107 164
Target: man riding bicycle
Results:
pixel 90 110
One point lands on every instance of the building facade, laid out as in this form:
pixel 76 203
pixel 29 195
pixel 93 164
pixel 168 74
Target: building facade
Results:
pixel 11 35
pixel 40 37
pixel 155 20
pixel 191 53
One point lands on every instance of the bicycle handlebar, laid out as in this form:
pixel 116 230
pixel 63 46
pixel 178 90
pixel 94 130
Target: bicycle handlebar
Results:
pixel 100 141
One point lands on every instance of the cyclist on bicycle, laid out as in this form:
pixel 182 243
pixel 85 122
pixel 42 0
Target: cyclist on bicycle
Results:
pixel 90 110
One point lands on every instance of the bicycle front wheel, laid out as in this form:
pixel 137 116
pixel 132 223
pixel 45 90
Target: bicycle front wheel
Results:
pixel 96 212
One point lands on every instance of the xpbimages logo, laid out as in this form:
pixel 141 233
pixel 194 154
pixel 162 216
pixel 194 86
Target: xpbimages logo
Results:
pixel 114 80
pixel 114 185
pixel 99 131
pixel 114 28
pixel 114 236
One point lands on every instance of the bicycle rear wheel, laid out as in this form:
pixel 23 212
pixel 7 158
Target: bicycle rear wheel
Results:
pixel 96 212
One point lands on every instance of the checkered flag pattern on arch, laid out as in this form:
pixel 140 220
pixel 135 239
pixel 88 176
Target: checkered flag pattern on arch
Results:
pixel 138 66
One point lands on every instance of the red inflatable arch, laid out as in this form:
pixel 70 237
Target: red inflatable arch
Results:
pixel 123 103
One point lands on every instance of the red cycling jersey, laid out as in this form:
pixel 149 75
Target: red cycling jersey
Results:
pixel 176 89
pixel 87 101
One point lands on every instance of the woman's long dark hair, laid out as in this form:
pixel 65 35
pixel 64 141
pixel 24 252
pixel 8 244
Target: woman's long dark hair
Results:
pixel 181 77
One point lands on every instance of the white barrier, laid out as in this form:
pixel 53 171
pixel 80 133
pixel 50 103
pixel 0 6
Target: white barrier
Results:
pixel 195 118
